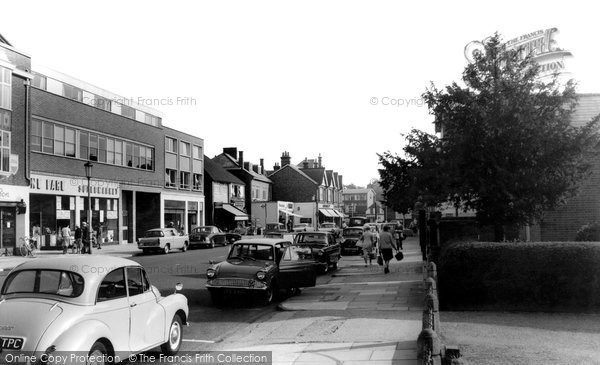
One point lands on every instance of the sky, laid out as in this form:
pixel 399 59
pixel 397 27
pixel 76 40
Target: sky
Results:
pixel 342 79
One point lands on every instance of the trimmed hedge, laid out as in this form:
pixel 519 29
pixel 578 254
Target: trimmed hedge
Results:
pixel 542 276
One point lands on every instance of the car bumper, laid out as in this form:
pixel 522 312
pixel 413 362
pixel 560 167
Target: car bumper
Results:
pixel 236 283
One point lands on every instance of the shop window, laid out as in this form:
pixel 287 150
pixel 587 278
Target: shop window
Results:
pixel 36 135
pixel 5 88
pixel 170 178
pixel 84 142
pixel 197 183
pixel 184 180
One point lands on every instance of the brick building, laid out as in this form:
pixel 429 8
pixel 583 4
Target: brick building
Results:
pixel 15 80
pixel 360 202
pixel 224 194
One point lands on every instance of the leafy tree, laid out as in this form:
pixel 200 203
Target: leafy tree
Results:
pixel 508 148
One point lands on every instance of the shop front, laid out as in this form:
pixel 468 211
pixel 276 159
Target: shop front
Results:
pixel 14 222
pixel 182 211
pixel 60 201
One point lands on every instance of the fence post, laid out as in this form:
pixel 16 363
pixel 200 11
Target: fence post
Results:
pixel 428 348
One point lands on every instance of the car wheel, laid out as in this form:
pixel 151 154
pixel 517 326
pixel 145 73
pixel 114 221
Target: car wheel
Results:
pixel 325 268
pixel 212 244
pixel 171 347
pixel 145 251
pixel 99 353
pixel 166 249
pixel 270 293
pixel 184 248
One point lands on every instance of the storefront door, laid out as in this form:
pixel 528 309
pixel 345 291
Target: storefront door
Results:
pixel 8 238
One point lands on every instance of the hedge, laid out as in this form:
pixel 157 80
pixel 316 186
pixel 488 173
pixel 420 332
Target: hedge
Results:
pixel 542 276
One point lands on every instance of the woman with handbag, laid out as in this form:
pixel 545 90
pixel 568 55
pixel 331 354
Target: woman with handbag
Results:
pixel 386 244
pixel 368 244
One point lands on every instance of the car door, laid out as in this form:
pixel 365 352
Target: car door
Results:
pixel 112 308
pixel 295 270
pixel 147 316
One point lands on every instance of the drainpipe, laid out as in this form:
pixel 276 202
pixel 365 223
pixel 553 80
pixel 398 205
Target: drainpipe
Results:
pixel 27 121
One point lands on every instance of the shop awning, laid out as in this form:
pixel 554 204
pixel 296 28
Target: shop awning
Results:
pixel 239 215
pixel 340 214
pixel 289 212
pixel 326 212
pixel 335 213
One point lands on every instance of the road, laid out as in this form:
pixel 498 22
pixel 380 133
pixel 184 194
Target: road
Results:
pixel 210 325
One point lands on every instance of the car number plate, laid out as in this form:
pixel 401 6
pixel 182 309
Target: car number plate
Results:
pixel 11 343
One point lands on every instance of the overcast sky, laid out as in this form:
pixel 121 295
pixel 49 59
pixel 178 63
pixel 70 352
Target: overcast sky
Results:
pixel 273 76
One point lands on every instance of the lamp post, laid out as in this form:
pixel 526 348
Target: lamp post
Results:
pixel 88 173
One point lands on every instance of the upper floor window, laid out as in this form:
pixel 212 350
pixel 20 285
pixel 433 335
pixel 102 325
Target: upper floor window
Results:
pixel 5 88
pixel 170 178
pixel 197 152
pixel 39 81
pixel 184 149
pixel 184 180
pixel 127 111
pixel 197 182
pixel 170 144
pixel 5 151
pixel 72 92
pixel 151 119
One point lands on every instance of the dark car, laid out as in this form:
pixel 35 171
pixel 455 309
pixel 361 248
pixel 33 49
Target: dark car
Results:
pixel 261 265
pixel 326 251
pixel 349 238
pixel 209 236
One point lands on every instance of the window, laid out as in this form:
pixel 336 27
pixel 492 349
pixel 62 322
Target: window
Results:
pixel 5 88
pixel 102 149
pixel 48 138
pixel 5 152
pixel 69 142
pixel 53 282
pixel 113 286
pixel 129 154
pixel 127 111
pixel 151 119
pixel 101 103
pixel 184 149
pixel 84 142
pixel 135 281
pixel 264 195
pixel 149 158
pixel 110 151
pixel 184 180
pixel 197 182
pixel 197 152
pixel 118 152
pixel 39 81
pixel 136 156
pixel 36 135
pixel 171 144
pixel 170 178
pixel 93 147
pixel 59 140
pixel 72 92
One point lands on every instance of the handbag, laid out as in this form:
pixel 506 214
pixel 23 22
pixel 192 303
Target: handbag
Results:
pixel 360 243
pixel 399 256
pixel 379 260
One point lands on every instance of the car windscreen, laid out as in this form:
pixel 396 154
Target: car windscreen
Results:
pixel 154 234
pixel 202 230
pixel 352 232
pixel 251 251
pixel 311 238
pixel 55 282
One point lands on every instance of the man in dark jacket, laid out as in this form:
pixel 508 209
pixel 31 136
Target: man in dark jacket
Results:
pixel 77 244
pixel 85 238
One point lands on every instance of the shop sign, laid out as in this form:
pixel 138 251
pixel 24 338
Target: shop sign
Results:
pixel 14 193
pixel 74 186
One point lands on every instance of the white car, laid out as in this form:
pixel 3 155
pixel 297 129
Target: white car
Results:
pixel 163 240
pixel 102 306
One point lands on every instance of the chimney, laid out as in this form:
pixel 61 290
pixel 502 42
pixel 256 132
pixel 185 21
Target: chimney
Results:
pixel 305 163
pixel 276 167
pixel 231 151
pixel 285 158
pixel 320 164
pixel 256 168
pixel 247 166
pixel 241 159
pixel 262 166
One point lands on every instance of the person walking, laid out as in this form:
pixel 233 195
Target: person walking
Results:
pixel 77 244
pixel 386 244
pixel 85 238
pixel 368 244
pixel 66 238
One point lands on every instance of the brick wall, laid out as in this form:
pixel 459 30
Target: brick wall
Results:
pixel 289 185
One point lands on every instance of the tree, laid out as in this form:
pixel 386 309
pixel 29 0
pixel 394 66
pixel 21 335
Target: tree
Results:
pixel 508 148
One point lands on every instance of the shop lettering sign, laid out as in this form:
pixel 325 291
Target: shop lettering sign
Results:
pixel 42 184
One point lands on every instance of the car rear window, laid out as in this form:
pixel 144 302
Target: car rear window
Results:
pixel 154 234
pixel 55 282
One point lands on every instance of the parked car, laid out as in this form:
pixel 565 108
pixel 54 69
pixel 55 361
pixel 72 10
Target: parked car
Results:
pixel 261 265
pixel 163 239
pixel 302 227
pixel 332 228
pixel 349 238
pixel 275 228
pixel 357 221
pixel 208 236
pixel 98 305
pixel 325 249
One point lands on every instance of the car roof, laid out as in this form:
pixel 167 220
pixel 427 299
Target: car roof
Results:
pixel 312 232
pixel 93 269
pixel 262 241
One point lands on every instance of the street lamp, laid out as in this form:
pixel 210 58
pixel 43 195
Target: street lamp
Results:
pixel 88 173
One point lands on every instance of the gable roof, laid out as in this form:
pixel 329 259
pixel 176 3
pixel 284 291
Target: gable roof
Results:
pixel 218 173
pixel 317 174
pixel 297 170
pixel 4 40
pixel 331 181
pixel 229 163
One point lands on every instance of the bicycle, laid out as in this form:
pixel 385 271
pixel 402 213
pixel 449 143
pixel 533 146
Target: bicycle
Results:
pixel 27 248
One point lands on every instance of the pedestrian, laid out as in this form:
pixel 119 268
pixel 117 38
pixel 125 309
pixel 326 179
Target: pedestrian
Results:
pixel 290 225
pixel 400 237
pixel 386 244
pixel 98 237
pixel 66 238
pixel 77 244
pixel 368 244
pixel 85 238
pixel 37 231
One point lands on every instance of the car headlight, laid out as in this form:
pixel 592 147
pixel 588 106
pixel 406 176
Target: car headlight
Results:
pixel 211 273
pixel 261 275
